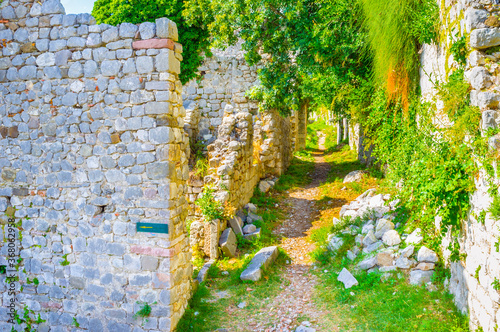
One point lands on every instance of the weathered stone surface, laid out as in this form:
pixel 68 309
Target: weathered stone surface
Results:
pixel 261 260
pixel 479 78
pixel 264 186
pixel 391 238
pixel 236 224
pixel 334 243
pixel 485 38
pixel 367 263
pixel 347 278
pixel 385 259
pixel 425 266
pixel 369 239
pixel 383 226
pixel 418 277
pixel 249 229
pixel 415 237
pixel 408 251
pixel 373 247
pixel 404 263
pixel 227 242
pixel 153 44
pixel 354 176
pixel 202 275
pixel 427 255
pixel 253 235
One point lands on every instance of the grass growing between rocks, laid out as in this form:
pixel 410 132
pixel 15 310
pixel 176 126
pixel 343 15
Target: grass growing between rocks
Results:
pixel 373 305
pixel 215 302
pixel 393 305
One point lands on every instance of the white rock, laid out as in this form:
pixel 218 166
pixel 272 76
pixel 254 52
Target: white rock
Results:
pixel 249 229
pixel 391 238
pixel 383 226
pixel 476 59
pixel 415 237
pixel 373 247
pixel 388 268
pixel 427 255
pixel 251 207
pixel 474 18
pixel 377 201
pixel 404 263
pixel 242 305
pixel 302 328
pixel 485 38
pixel 354 176
pixel 408 251
pixel 479 78
pixel 351 255
pixel 367 228
pixel 418 277
pixel 347 278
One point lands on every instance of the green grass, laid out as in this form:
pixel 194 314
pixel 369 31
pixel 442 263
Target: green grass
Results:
pixel 393 305
pixel 207 313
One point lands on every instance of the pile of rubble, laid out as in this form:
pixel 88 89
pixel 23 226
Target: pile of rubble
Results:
pixel 380 244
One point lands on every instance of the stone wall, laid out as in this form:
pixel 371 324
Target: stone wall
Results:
pixel 92 142
pixel 472 278
pixel 225 78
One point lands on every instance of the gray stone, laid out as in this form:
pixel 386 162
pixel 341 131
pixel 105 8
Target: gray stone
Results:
pixel 128 30
pixel 252 217
pixel 202 275
pixel 419 277
pixel 373 247
pixel 404 263
pixel 408 251
pixel 130 84
pixel 227 242
pixel 46 59
pixel 27 72
pixel 62 57
pixel 347 278
pixel 147 30
pixel 8 13
pixel 488 119
pixel 110 67
pixel 57 45
pixel 485 38
pixel 90 68
pixel 367 263
pixel 369 238
pixel 383 226
pixel 159 135
pixel 334 243
pixel 75 70
pixel 52 7
pixel 144 64
pixel 474 18
pixel 156 171
pixel 110 35
pixel 303 328
pixel 249 229
pixel 427 255
pixel 253 235
pixel 149 263
pixel 391 238
pixel 94 40
pixel 236 224
pixel 264 186
pixel 166 28
pixel 260 261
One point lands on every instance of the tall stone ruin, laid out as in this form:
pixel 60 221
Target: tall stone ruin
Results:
pixel 92 143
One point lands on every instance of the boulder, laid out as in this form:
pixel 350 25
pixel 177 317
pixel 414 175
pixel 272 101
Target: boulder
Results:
pixel 388 268
pixel 249 229
pixel 260 261
pixel 415 237
pixel 373 247
pixel 236 224
pixel 253 235
pixel 385 259
pixel 404 263
pixel 377 201
pixel 427 255
pixel 264 186
pixel 227 242
pixel 354 176
pixel 369 239
pixel 251 208
pixel 347 278
pixel 202 275
pixel 484 38
pixel 391 238
pixel 419 277
pixel 367 263
pixel 408 251
pixel 383 226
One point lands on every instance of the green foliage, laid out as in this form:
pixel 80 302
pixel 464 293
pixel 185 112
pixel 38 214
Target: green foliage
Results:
pixel 193 36
pixel 211 209
pixel 494 208
pixel 75 322
pixel 396 30
pixel 311 47
pixel 496 284
pixel 476 273
pixel 65 260
pixel 459 50
pixel 27 319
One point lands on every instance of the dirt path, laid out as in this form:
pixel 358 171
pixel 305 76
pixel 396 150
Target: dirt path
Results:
pixel 287 310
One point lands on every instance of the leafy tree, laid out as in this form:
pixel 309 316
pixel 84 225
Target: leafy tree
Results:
pixel 309 48
pixel 194 36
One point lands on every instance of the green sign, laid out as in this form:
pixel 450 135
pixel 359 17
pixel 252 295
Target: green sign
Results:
pixel 152 228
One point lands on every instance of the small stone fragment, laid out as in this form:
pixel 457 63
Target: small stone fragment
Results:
pixel 347 278
pixel 427 255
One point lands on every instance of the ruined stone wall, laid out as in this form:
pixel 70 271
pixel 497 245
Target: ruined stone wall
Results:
pixel 92 142
pixel 472 279
pixel 225 78
pixel 262 143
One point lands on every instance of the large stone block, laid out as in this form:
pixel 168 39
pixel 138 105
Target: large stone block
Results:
pixel 261 260
pixel 228 242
